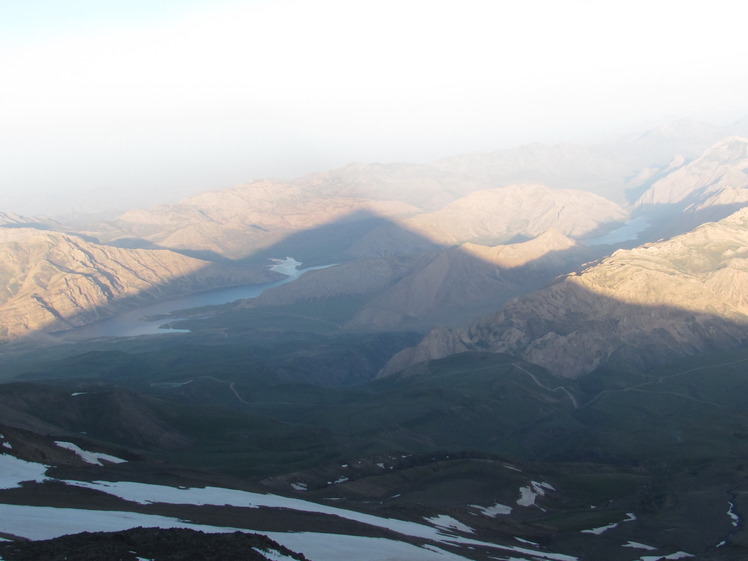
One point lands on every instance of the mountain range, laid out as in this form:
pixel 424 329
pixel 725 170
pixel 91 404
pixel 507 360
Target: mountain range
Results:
pixel 525 354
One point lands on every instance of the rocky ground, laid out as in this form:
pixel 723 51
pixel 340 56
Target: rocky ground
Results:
pixel 154 544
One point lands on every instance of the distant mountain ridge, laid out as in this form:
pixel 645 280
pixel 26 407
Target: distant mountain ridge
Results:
pixel 239 221
pixel 498 215
pixel 243 220
pixel 412 237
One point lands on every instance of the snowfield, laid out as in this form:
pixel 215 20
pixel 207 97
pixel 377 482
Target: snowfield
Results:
pixel 13 471
pixel 44 522
pixel 40 522
pixel 89 457
pixel 527 495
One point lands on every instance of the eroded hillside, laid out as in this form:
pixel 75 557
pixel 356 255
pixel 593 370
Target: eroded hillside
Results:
pixel 679 296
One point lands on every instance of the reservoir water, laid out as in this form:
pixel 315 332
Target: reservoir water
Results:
pixel 146 320
pixel 628 231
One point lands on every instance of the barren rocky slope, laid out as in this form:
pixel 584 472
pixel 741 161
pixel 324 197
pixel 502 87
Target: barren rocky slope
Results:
pixel 680 296
pixel 710 187
pixel 52 281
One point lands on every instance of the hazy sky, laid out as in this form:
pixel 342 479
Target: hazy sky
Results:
pixel 107 103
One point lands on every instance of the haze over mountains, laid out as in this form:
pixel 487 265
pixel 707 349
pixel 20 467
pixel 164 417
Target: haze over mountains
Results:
pixel 378 211
pixel 495 354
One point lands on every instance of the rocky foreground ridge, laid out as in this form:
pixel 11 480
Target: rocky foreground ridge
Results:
pixel 640 307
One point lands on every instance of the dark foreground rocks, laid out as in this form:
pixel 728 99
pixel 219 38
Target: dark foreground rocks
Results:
pixel 154 544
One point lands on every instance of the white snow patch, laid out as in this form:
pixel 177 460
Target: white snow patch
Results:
pixel 341 479
pixel 513 468
pixel 39 523
pixel 8 445
pixel 637 545
pixel 89 457
pixel 273 555
pixel 380 465
pixel 144 493
pixel 493 511
pixel 677 555
pixel 13 471
pixel 535 554
pixel 527 495
pixel 528 542
pixel 731 514
pixel 630 517
pixel 76 394
pixel 449 523
pixel 325 547
pixel 299 486
pixel 601 529
pixel 43 522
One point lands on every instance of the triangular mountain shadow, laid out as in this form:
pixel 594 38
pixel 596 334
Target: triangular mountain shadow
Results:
pixel 418 285
pixel 326 244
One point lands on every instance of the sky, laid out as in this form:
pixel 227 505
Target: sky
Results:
pixel 109 104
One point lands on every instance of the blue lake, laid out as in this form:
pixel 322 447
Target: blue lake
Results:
pixel 136 322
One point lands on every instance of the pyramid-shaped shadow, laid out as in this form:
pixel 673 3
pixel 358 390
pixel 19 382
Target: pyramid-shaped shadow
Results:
pixel 407 282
